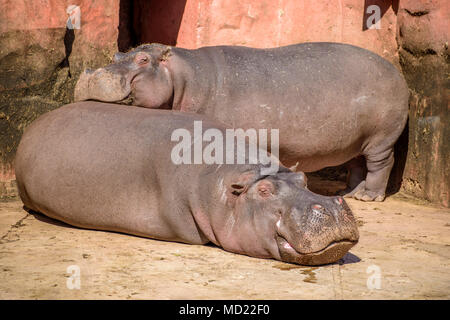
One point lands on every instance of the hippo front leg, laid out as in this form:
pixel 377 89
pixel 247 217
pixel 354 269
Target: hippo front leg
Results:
pixel 373 188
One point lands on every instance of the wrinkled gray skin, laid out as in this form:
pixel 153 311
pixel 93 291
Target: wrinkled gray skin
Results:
pixel 331 102
pixel 108 167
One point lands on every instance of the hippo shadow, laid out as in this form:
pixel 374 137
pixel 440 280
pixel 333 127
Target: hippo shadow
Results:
pixel 41 217
pixel 349 258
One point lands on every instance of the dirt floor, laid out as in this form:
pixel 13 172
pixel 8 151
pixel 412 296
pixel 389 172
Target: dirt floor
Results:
pixel 403 253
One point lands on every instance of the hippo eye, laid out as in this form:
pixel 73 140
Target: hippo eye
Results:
pixel 237 189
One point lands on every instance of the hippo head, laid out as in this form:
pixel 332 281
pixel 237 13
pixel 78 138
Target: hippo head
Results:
pixel 139 77
pixel 277 216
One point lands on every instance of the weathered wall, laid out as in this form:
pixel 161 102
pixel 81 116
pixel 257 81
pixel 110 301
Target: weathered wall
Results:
pixel 265 23
pixel 268 23
pixel 40 60
pixel 424 57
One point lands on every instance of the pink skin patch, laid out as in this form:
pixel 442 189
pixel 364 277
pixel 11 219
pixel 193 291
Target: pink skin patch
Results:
pixel 287 246
pixel 339 200
pixel 317 206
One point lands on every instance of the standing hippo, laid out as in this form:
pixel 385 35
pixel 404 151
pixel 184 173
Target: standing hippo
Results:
pixel 108 167
pixel 331 102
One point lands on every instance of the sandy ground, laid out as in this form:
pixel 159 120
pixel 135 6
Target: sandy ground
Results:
pixel 403 253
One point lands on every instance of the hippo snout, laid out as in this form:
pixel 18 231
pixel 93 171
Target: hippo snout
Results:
pixel 318 231
pixel 102 85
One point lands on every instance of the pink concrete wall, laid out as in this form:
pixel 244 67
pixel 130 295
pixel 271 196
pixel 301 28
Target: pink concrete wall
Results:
pixel 269 23
pixel 423 36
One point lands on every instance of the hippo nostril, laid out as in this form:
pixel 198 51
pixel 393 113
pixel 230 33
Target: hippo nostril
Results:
pixel 317 208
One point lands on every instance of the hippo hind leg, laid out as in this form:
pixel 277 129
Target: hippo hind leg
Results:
pixel 357 172
pixel 356 176
pixel 373 188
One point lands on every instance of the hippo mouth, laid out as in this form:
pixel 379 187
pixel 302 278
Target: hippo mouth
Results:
pixel 128 100
pixel 333 252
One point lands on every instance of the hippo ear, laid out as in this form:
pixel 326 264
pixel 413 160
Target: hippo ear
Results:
pixel 265 188
pixel 294 168
pixel 165 54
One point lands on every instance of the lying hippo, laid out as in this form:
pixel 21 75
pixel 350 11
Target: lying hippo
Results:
pixel 331 102
pixel 108 167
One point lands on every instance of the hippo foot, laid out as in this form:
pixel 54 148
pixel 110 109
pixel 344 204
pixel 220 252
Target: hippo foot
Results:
pixel 367 195
pixel 346 193
pixel 361 193
pixel 349 192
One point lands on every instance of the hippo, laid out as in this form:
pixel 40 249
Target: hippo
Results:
pixel 333 103
pixel 107 167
